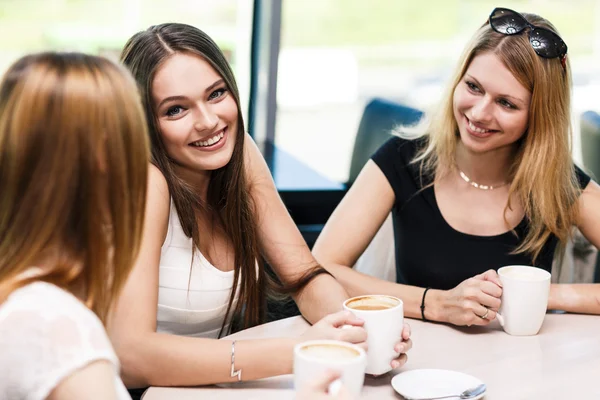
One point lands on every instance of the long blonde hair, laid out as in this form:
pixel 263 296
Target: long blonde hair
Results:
pixel 74 156
pixel 542 172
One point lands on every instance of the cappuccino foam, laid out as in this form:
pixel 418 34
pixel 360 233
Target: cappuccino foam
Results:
pixel 372 303
pixel 330 352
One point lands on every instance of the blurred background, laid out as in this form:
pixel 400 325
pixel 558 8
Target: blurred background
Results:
pixel 307 68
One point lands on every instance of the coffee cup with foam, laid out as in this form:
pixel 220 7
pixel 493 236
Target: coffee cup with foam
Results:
pixel 384 320
pixel 313 358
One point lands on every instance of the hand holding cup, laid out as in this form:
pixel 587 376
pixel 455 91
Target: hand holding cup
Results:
pixel 383 318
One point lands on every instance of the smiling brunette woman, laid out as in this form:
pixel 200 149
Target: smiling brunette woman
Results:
pixel 213 213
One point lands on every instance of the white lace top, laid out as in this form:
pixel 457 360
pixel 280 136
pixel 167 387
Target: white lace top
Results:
pixel 46 334
pixel 192 299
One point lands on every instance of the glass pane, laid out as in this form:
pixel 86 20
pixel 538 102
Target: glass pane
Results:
pixel 103 26
pixel 336 55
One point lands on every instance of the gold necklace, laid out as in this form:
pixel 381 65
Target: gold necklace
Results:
pixel 477 185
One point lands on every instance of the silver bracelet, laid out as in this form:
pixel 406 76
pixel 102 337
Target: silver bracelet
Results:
pixel 234 373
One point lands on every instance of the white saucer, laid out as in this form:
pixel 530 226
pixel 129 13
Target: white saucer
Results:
pixel 423 383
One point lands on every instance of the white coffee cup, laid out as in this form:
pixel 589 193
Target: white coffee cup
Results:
pixel 314 357
pixel 524 299
pixel 384 320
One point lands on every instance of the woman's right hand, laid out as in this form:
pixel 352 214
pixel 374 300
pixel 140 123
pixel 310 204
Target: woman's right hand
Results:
pixel 474 301
pixel 342 325
pixel 318 389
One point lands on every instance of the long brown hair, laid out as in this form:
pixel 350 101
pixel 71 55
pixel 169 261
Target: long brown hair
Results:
pixel 73 167
pixel 228 197
pixel 542 171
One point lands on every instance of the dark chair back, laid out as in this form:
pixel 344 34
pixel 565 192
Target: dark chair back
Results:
pixel 379 118
pixel 590 149
pixel 590 142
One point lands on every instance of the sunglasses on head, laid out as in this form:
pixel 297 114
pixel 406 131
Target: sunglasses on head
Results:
pixel 545 43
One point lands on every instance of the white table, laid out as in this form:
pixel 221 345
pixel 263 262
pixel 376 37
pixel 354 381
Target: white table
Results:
pixel 561 362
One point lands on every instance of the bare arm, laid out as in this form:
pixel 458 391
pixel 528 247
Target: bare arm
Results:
pixel 351 228
pixel 582 298
pixel 282 244
pixel 349 231
pixel 151 358
pixel 95 381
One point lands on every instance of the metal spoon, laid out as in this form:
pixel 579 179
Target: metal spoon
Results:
pixel 467 394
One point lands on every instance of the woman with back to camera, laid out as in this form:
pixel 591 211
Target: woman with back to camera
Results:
pixel 487 181
pixel 213 213
pixel 73 172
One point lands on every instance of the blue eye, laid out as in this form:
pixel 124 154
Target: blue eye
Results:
pixel 472 86
pixel 506 104
pixel 217 93
pixel 174 111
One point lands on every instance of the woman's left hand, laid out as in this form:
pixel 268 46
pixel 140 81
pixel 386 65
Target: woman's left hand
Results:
pixel 402 347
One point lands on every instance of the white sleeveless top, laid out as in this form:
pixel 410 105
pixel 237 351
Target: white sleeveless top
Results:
pixel 190 303
pixel 47 334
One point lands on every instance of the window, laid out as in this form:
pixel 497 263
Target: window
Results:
pixel 103 26
pixel 337 54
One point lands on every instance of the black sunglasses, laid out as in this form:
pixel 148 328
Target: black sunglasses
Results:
pixel 545 43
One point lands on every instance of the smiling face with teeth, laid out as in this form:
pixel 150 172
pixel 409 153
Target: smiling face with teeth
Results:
pixel 197 115
pixel 491 106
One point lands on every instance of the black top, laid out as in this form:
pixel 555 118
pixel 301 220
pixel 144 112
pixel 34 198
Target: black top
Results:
pixel 429 252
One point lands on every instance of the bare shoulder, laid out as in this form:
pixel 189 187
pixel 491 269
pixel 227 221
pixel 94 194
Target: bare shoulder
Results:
pixel 589 213
pixel 255 165
pixel 249 144
pixel 590 195
pixel 158 203
pixel 157 183
pixel 592 187
pixel 251 151
pixel 589 201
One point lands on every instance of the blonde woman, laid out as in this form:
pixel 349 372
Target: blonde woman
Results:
pixel 489 182
pixel 73 171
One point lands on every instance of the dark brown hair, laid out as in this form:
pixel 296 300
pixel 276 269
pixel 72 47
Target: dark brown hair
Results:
pixel 73 172
pixel 228 191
